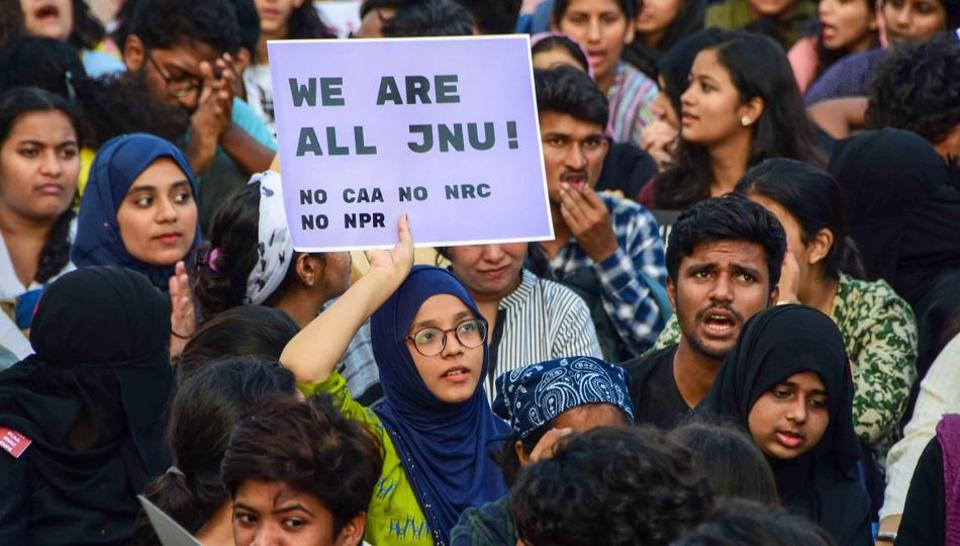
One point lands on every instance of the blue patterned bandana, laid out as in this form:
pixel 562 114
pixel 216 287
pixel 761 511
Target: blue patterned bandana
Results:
pixel 532 396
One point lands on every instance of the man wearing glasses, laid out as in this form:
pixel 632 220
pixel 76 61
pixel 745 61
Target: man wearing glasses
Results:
pixel 182 50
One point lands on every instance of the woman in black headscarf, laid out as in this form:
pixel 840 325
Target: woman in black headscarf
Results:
pixel 81 421
pixel 904 215
pixel 787 381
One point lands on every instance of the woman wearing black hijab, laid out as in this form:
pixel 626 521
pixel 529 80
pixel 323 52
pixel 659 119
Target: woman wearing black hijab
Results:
pixel 787 381
pixel 904 215
pixel 81 421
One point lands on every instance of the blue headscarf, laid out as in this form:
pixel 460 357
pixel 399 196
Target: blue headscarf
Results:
pixel 443 446
pixel 118 163
pixel 531 396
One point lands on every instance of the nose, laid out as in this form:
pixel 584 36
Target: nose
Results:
pixel 688 97
pixel 797 412
pixel 452 346
pixel 166 211
pixel 593 30
pixel 493 253
pixel 51 165
pixel 902 17
pixel 267 536
pixel 722 290
pixel 576 158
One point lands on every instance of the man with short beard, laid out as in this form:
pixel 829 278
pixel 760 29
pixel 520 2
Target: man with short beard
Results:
pixel 606 249
pixel 724 258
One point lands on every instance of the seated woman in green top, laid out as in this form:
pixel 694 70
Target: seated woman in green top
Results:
pixel 434 422
pixel 878 327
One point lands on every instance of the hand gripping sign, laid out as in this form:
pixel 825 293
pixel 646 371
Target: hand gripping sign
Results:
pixel 444 129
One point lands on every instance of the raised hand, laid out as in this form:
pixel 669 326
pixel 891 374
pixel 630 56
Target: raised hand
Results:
pixel 394 264
pixel 589 220
pixel 183 320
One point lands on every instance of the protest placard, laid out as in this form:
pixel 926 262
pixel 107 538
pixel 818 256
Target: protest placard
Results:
pixel 444 129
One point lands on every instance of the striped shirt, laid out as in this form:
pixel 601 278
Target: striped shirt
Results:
pixel 540 320
pixel 631 97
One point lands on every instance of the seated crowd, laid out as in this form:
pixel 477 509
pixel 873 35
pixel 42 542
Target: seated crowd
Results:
pixel 745 329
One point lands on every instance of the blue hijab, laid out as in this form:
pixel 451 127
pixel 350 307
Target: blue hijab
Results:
pixel 117 164
pixel 444 447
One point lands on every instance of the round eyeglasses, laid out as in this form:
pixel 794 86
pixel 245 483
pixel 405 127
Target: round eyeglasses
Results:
pixel 432 341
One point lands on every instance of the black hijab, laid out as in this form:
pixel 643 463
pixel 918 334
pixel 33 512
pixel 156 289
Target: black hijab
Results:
pixel 774 345
pixel 93 396
pixel 901 209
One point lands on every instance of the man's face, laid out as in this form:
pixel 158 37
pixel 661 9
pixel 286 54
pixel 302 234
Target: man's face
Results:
pixel 718 288
pixel 172 73
pixel 573 152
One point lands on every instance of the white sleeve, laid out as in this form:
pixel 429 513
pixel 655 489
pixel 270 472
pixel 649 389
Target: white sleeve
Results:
pixel 939 394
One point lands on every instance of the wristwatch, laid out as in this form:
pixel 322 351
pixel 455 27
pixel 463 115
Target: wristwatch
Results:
pixel 886 536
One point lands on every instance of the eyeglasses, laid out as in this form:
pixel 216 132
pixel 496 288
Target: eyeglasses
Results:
pixel 432 341
pixel 181 87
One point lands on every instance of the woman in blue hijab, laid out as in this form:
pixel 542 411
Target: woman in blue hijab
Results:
pixel 435 423
pixel 139 211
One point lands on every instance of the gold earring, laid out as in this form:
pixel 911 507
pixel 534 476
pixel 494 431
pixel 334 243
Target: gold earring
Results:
pixel 746 121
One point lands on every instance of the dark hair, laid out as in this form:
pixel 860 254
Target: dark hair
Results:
pixel 628 7
pixel 305 24
pixel 758 67
pixel 247 330
pixel 14 104
pixel 566 90
pixel 40 62
pixel 508 459
pixel 615 486
pixel 557 41
pixel 87 32
pixel 11 21
pixel 689 20
pixel 731 217
pixel 729 458
pixel 813 198
pixel 313 448
pixel 164 23
pixel 417 18
pixel 916 89
pixel 248 21
pixel 738 522
pixel 494 16
pixel 223 285
pixel 675 64
pixel 203 413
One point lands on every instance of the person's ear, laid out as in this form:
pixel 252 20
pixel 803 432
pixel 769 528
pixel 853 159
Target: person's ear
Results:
pixel 672 294
pixel 297 4
pixel 352 532
pixel 774 296
pixel 134 53
pixel 310 269
pixel 751 111
pixel 522 454
pixel 631 32
pixel 819 246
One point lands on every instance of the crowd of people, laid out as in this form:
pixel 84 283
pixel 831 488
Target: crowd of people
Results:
pixel 745 331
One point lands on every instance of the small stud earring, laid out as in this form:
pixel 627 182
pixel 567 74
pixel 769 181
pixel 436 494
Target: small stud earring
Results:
pixel 746 121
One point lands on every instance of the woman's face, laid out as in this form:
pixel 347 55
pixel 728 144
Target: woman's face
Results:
pixel 662 106
pixel 48 18
pixel 912 20
pixel 553 58
pixel 488 271
pixel 158 216
pixel 275 16
pixel 39 166
pixel 602 28
pixel 712 110
pixel 846 25
pixel 655 17
pixel 337 269
pixel 276 514
pixel 453 375
pixel 791 418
